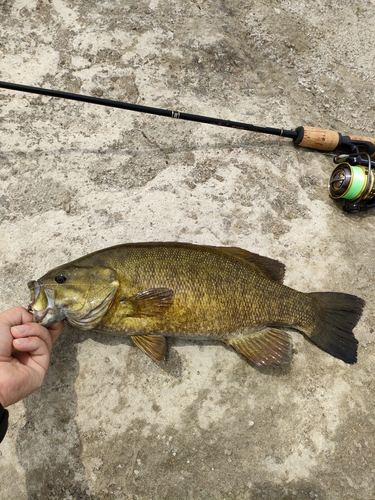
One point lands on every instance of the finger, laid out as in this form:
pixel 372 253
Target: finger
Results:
pixel 15 316
pixel 9 318
pixel 33 353
pixel 55 330
pixel 32 330
pixel 34 345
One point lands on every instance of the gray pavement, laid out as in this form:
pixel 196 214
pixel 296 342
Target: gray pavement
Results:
pixel 109 423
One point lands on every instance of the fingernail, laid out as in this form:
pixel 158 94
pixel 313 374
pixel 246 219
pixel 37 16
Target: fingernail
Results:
pixel 21 341
pixel 19 329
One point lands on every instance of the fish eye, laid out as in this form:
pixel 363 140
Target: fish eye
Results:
pixel 60 278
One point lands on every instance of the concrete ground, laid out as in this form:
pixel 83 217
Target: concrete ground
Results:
pixel 108 422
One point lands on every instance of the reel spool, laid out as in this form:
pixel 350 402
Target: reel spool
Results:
pixel 353 179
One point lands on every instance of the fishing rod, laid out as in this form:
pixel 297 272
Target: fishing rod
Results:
pixel 353 147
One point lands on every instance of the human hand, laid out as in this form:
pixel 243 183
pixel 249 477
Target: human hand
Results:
pixel 25 349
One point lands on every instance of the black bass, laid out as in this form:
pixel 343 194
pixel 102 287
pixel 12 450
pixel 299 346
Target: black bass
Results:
pixel 149 291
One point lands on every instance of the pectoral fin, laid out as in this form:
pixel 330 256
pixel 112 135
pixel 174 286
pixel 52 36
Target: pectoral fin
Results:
pixel 155 346
pixel 153 302
pixel 269 347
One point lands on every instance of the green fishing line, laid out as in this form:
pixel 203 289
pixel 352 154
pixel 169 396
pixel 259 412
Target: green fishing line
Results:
pixel 358 181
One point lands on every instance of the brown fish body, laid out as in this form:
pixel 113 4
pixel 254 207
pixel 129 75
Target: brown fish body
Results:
pixel 214 294
pixel 149 291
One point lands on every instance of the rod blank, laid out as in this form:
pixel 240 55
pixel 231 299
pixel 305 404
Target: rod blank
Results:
pixel 291 134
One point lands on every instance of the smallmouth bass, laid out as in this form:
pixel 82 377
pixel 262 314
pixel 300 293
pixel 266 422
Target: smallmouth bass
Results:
pixel 150 291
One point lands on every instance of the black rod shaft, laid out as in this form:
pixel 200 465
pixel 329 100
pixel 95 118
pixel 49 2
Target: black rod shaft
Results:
pixel 291 134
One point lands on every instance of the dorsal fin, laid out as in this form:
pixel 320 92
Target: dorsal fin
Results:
pixel 269 268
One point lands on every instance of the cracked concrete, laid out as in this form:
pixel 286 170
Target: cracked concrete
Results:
pixel 109 423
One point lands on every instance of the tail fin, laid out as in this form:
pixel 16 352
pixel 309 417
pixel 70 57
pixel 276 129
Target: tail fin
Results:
pixel 338 313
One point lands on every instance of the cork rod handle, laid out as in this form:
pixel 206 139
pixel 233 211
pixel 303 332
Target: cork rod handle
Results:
pixel 329 140
pixel 317 138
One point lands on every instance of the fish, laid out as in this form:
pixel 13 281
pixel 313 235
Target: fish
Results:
pixel 154 290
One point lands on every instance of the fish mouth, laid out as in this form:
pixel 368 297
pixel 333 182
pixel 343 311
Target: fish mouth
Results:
pixel 42 301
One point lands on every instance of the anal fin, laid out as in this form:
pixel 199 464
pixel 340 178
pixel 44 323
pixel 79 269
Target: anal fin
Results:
pixel 155 346
pixel 270 347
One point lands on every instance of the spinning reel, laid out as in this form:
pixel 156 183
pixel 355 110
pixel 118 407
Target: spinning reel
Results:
pixel 353 180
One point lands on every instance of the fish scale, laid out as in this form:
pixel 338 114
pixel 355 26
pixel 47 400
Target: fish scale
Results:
pixel 149 291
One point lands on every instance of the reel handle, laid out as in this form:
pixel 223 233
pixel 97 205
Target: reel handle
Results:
pixel 364 140
pixel 329 140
